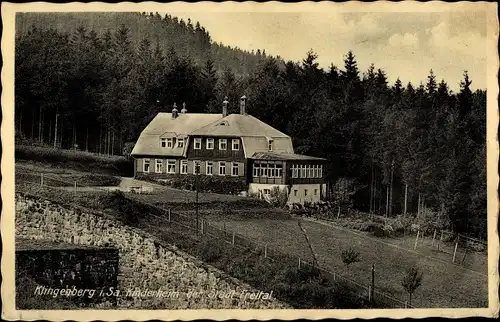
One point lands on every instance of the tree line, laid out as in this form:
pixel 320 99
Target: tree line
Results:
pixel 398 146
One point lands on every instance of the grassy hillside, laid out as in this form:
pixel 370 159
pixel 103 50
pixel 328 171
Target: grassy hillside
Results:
pixel 187 38
pixel 77 160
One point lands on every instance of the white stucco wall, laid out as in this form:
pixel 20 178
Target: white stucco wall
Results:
pixel 298 193
pixel 259 187
pixel 313 191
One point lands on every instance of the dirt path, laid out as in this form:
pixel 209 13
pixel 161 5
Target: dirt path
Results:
pixel 128 183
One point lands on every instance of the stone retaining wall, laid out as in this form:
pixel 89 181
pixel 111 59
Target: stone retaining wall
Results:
pixel 69 268
pixel 144 263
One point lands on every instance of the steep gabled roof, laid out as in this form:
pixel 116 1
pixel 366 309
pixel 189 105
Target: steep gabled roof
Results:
pixel 255 144
pixel 284 156
pixel 240 126
pixel 164 126
pixel 183 124
pixel 254 133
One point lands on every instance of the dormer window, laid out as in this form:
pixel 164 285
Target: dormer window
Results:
pixel 236 144
pixel 197 143
pixel 180 143
pixel 222 144
pixel 270 144
pixel 170 142
pixel 210 144
pixel 163 142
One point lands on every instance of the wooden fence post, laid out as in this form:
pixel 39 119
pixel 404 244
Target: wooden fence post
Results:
pixel 372 286
pixel 441 239
pixel 265 251
pixel 416 240
pixel 299 262
pixel 233 237
pixel 455 252
pixel 169 217
pixel 334 275
pixel 406 304
pixel 369 293
pixel 434 237
pixel 41 180
pixel 75 186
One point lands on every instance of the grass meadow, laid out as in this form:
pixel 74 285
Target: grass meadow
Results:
pixel 445 284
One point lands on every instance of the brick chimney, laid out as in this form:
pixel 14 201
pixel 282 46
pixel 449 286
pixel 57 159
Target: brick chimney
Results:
pixel 243 101
pixel 224 107
pixel 184 110
pixel 175 112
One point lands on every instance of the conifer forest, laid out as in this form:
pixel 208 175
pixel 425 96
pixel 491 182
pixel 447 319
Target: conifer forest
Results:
pixel 96 85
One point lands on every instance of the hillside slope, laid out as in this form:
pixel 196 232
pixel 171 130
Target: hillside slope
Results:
pixel 186 37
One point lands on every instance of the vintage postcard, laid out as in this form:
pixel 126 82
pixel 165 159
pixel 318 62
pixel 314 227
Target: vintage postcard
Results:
pixel 249 160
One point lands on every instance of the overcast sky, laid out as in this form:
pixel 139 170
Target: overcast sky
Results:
pixel 405 45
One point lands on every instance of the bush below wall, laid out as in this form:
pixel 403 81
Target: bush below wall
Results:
pixel 426 222
pixel 215 184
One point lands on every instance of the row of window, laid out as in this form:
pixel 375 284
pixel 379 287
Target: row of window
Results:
pixel 259 170
pixel 170 142
pixel 268 170
pixel 210 143
pixel 295 192
pixel 171 164
pixel 307 171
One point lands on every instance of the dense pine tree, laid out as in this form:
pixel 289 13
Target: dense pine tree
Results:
pixel 98 88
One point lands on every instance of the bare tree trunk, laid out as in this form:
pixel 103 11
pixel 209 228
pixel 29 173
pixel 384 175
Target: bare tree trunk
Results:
pixel 50 131
pixel 406 199
pixel 40 124
pixel 42 132
pixel 33 125
pixel 108 141
pixel 418 206
pixel 105 137
pixel 74 135
pixel 380 186
pixel 62 132
pixel 105 141
pixel 391 189
pixel 371 190
pixel 375 195
pixel 113 144
pixel 100 138
pixel 55 132
pixel 387 202
pixel 21 121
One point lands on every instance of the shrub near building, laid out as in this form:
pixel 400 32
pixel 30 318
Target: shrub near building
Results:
pixel 222 185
